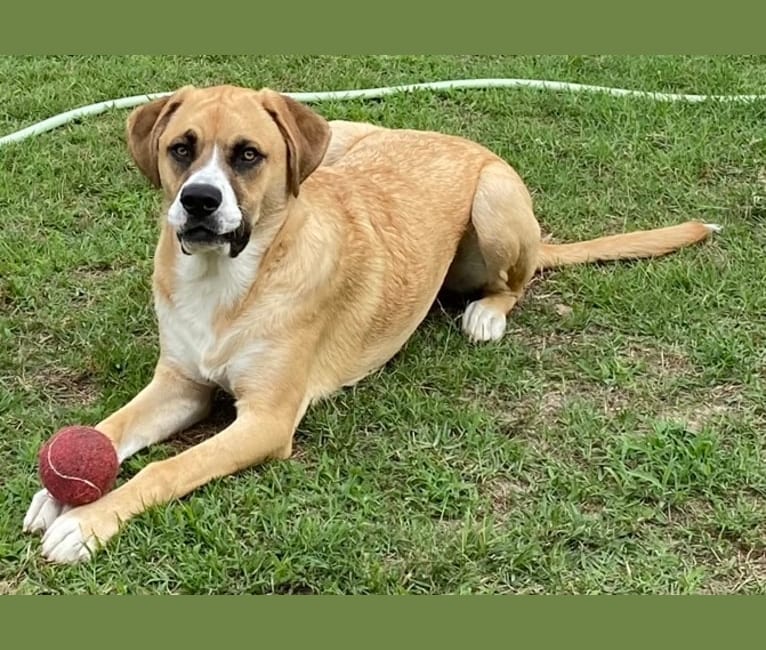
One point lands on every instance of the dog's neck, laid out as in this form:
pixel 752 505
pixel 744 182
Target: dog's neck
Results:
pixel 173 268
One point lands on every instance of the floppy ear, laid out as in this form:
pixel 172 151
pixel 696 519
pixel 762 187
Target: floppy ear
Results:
pixel 144 127
pixel 306 133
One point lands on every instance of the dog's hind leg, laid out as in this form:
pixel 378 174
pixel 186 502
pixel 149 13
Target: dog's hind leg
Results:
pixel 499 254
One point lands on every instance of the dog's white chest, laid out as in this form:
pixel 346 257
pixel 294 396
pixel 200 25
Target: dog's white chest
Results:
pixel 188 333
pixel 189 329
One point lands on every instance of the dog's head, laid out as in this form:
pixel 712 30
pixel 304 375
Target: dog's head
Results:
pixel 224 156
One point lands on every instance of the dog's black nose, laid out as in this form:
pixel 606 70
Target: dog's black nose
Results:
pixel 201 200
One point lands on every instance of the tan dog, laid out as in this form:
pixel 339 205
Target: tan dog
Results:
pixel 282 279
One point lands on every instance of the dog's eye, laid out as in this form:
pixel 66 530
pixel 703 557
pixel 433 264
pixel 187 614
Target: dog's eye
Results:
pixel 181 151
pixel 250 155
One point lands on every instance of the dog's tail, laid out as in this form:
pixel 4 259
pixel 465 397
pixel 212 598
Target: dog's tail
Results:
pixel 642 243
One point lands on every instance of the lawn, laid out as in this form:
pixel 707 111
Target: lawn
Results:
pixel 613 442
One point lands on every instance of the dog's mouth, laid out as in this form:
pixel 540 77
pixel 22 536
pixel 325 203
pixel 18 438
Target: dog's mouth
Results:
pixel 199 234
pixel 201 237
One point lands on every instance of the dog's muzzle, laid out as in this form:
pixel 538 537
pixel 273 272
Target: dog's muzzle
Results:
pixel 201 202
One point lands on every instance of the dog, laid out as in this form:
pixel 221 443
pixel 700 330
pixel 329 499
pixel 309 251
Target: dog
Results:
pixel 295 257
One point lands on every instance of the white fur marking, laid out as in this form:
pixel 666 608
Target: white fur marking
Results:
pixel 228 216
pixel 207 283
pixel 42 512
pixel 64 541
pixel 482 323
pixel 713 227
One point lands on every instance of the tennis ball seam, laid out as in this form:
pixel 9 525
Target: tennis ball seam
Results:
pixel 65 476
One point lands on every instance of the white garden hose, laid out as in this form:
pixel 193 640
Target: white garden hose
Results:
pixel 371 93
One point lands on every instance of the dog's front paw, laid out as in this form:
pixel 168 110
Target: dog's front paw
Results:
pixel 76 535
pixel 42 512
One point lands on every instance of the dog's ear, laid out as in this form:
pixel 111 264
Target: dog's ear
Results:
pixel 144 128
pixel 306 133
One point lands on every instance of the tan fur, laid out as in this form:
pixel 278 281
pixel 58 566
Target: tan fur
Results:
pixel 305 136
pixel 343 271
pixel 648 243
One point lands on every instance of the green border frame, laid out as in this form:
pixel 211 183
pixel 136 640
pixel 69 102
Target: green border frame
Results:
pixel 431 621
pixel 395 27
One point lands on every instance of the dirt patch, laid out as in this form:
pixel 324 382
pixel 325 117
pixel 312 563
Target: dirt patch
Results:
pixel 744 572
pixel 63 386
pixel 222 414
pixel 541 341
pixel 721 400
pixel 736 563
pixel 6 302
pixel 7 588
pixel 504 495
pixel 689 410
pixel 94 272
pixel 523 417
pixel 656 368
pixel 659 362
pixel 611 400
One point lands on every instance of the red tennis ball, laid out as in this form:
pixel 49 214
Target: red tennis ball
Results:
pixel 78 465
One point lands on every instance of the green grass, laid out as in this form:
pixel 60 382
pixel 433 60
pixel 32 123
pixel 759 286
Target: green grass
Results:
pixel 612 447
